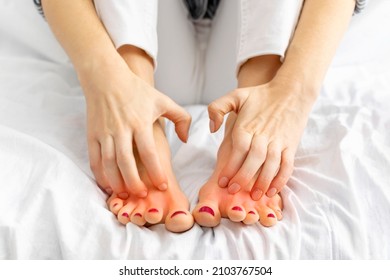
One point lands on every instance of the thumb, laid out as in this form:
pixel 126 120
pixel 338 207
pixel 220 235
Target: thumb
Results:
pixel 220 107
pixel 180 117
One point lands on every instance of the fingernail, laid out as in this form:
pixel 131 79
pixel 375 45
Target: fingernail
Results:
pixel 109 191
pixel 123 195
pixel 206 209
pixel 143 194
pixel 153 210
pixel 257 193
pixel 272 192
pixel 237 208
pixel 163 187
pixel 125 215
pixel 223 182
pixel 177 213
pixel 270 215
pixel 234 188
pixel 212 126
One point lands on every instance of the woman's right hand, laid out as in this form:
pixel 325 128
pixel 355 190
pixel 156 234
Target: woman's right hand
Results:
pixel 121 110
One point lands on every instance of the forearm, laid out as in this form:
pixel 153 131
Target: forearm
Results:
pixel 79 31
pixel 318 33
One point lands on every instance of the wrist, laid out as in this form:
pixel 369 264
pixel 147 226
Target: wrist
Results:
pixel 297 85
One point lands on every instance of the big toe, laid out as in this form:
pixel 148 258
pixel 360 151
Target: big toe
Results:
pixel 207 214
pixel 179 220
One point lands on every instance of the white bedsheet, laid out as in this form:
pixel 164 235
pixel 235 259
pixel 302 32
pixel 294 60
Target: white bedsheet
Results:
pixel 337 203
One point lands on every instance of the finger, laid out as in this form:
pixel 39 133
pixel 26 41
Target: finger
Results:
pixel 110 166
pixel 223 105
pixel 147 150
pixel 95 161
pixel 285 171
pixel 128 166
pixel 241 142
pixel 180 117
pixel 252 163
pixel 269 169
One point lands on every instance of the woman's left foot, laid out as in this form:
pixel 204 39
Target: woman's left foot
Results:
pixel 216 202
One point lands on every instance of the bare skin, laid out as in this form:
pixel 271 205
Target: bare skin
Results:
pixel 215 202
pixel 272 115
pixel 169 207
pixel 124 108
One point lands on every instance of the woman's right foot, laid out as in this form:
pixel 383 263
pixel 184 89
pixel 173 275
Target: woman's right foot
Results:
pixel 169 207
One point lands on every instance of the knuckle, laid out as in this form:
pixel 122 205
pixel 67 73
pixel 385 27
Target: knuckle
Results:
pixel 213 107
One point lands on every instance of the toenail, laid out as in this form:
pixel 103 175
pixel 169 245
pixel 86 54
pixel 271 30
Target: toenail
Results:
pixel 153 210
pixel 257 193
pixel 272 192
pixel 234 188
pixel 237 208
pixel 137 215
pixel 206 209
pixel 179 212
pixel 123 195
pixel 223 182
pixel 252 212
pixel 115 205
pixel 270 215
pixel 125 215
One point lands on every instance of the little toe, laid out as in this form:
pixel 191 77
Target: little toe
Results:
pixel 115 205
pixel 276 205
pixel 137 217
pixel 179 220
pixel 251 218
pixel 153 215
pixel 236 213
pixel 267 216
pixel 207 214
pixel 125 212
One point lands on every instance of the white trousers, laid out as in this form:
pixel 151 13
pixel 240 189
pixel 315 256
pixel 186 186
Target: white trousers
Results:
pixel 197 63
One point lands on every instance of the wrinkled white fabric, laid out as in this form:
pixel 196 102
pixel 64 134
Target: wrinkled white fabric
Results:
pixel 337 203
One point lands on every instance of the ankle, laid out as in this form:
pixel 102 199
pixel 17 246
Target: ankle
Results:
pixel 139 62
pixel 258 70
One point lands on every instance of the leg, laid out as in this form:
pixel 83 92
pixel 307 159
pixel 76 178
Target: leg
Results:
pixel 216 202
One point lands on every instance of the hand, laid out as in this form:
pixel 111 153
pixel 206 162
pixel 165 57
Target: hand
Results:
pixel 271 119
pixel 121 110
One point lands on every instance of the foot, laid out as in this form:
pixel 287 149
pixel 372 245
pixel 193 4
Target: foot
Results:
pixel 169 207
pixel 216 202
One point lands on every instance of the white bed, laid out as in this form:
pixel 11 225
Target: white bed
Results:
pixel 337 203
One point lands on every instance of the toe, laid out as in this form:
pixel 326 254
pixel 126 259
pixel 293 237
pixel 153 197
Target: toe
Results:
pixel 236 213
pixel 115 205
pixel 179 220
pixel 251 218
pixel 153 215
pixel 207 214
pixel 276 205
pixel 137 217
pixel 125 212
pixel 267 216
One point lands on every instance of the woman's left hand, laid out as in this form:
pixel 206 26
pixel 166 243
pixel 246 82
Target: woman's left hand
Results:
pixel 271 119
